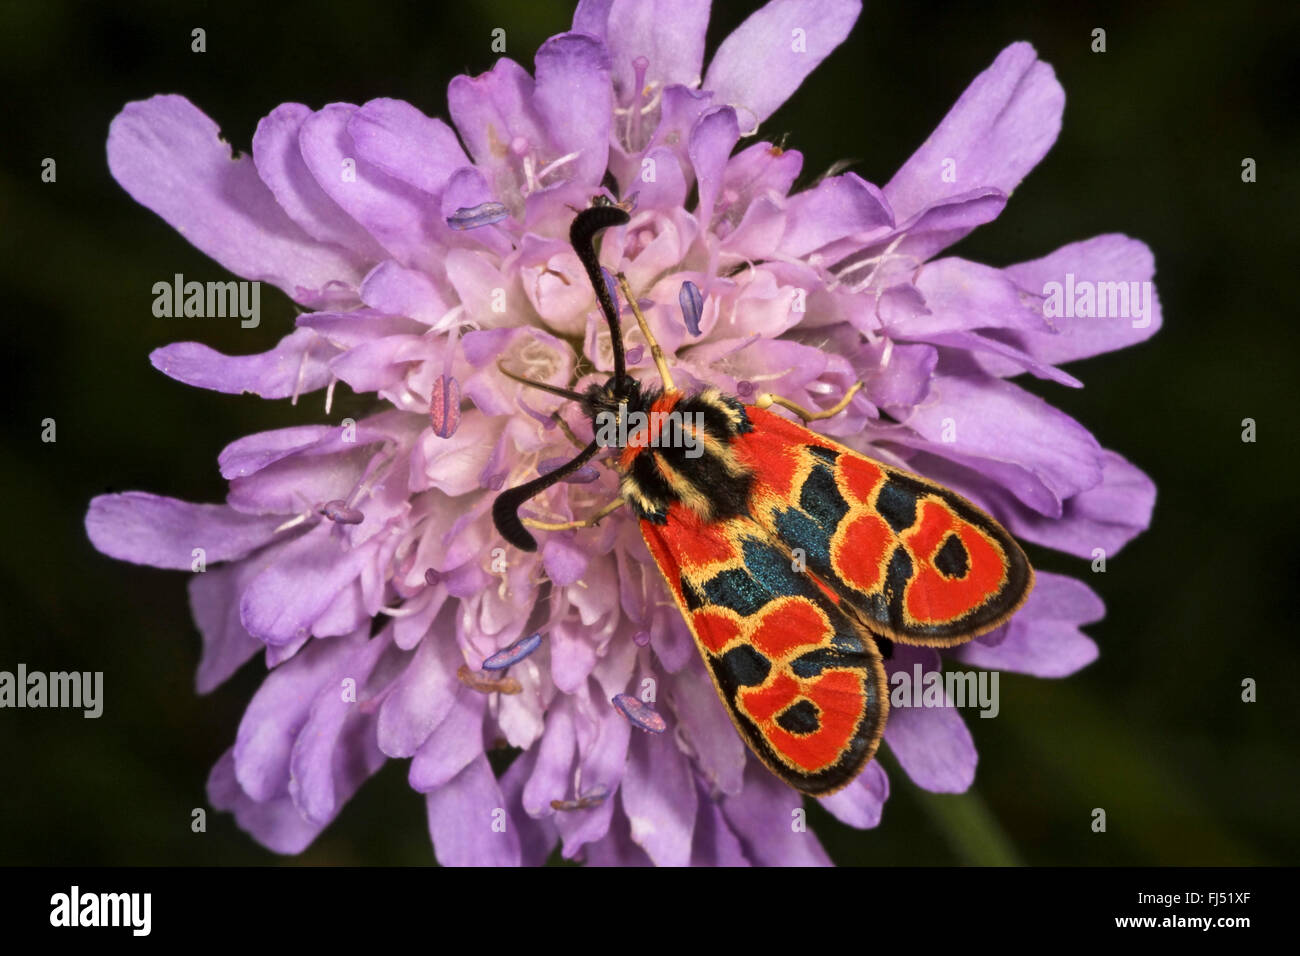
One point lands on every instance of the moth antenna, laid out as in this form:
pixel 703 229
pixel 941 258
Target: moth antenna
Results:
pixel 658 354
pixel 582 234
pixel 540 386
pixel 505 509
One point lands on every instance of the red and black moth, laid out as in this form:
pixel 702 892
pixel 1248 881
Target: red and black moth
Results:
pixel 794 560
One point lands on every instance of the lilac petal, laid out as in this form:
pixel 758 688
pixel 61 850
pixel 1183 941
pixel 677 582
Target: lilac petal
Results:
pixel 1102 259
pixel 575 102
pixel 998 130
pixel 397 138
pixel 691 302
pixel 932 744
pixel 453 465
pixel 474 217
pixel 396 290
pixel 641 715
pixel 834 209
pixel 861 803
pixel 513 654
pixel 715 843
pixel 1042 455
pixel 466 817
pixel 335 751
pixel 671 640
pixel 1106 516
pixel 444 406
pixel 668 33
pixel 250 454
pixel 713 137
pixel 420 700
pixel 537 838
pixel 758 66
pixel 704 724
pixel 602 758
pixel 170 157
pixel 277 712
pixel 762 816
pixel 573 655
pixel 494 108
pixel 924 235
pixel 283 601
pixel 905 380
pixel 761 170
pixel 1044 639
pixel 280 165
pixel 998 358
pixel 616 847
pixel 399 216
pixel 961 295
pixel 285 486
pixel 453 744
pixel 275 823
pixel 669 189
pixel 659 797
pixel 296 366
pixel 214 603
pixel 163 532
pixel 553 773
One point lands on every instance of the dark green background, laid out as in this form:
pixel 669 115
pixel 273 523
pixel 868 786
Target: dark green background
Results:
pixel 1154 134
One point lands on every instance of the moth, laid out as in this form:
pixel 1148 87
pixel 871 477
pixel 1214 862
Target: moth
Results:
pixel 794 560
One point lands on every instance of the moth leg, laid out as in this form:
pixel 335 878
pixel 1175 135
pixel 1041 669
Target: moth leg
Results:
pixel 655 351
pixel 589 522
pixel 767 400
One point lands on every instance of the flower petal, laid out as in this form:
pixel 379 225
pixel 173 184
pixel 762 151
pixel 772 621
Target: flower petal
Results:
pixel 763 62
pixel 659 796
pixel 1107 261
pixel 761 815
pixel 469 823
pixel 574 100
pixel 163 532
pixel 861 803
pixel 931 743
pixel 280 165
pixel 668 33
pixel 398 139
pixel 275 823
pixel 296 366
pixel 170 157
pixel 1044 639
pixel 998 130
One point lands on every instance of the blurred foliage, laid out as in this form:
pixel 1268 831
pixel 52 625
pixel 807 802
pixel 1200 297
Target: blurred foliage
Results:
pixel 1155 131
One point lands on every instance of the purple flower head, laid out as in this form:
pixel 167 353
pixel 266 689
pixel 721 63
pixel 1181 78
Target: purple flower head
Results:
pixel 423 269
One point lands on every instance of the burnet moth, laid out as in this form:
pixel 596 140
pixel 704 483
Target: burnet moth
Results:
pixel 792 558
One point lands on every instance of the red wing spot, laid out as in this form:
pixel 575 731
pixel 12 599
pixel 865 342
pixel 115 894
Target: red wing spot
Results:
pixel 788 625
pixel 860 478
pixel 764 703
pixel 692 542
pixel 859 552
pixel 773 462
pixel 715 630
pixel 838 696
pixel 933 598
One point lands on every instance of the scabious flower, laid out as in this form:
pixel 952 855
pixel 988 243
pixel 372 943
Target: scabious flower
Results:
pixel 360 557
